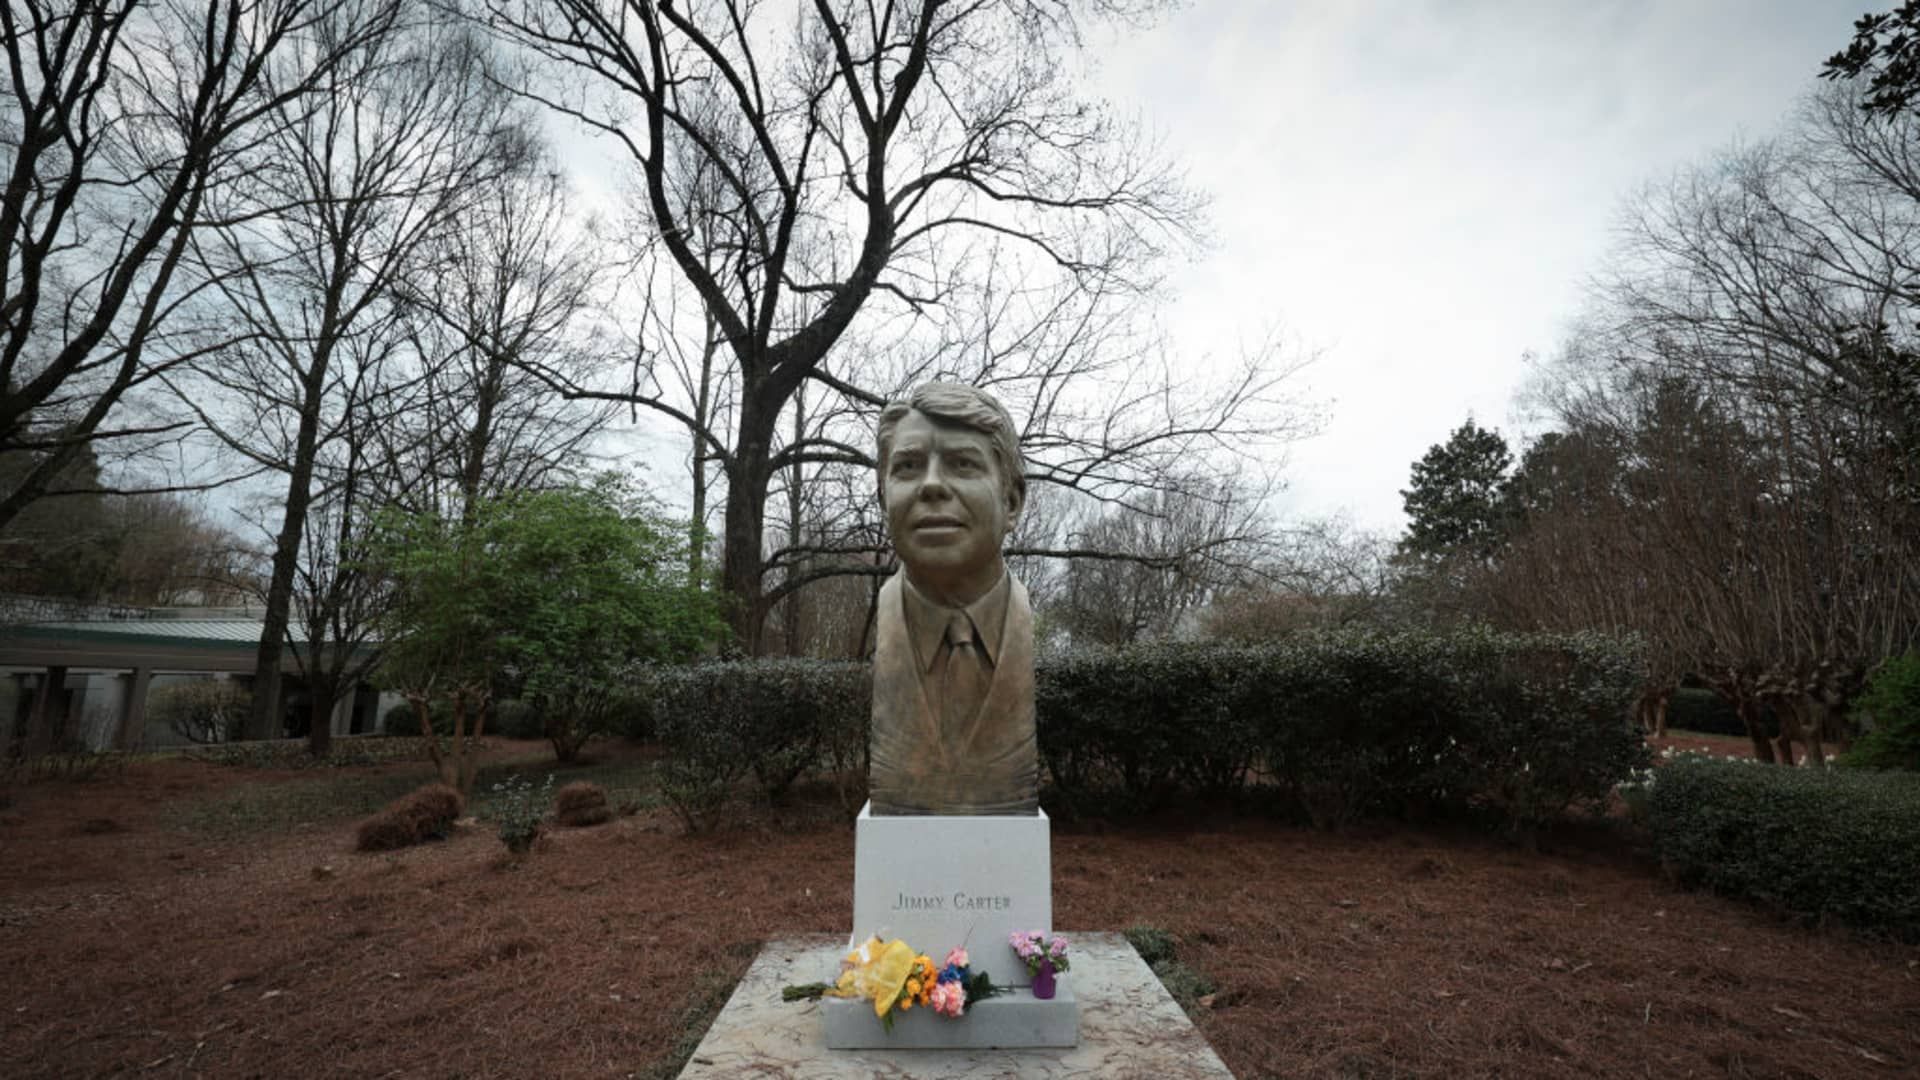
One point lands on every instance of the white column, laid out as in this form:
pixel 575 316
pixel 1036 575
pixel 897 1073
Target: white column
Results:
pixel 132 729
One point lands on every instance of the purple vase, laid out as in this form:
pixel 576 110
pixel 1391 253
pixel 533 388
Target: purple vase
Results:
pixel 1043 981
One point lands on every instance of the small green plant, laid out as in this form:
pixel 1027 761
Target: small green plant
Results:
pixel 518 806
pixel 1152 943
pixel 1186 984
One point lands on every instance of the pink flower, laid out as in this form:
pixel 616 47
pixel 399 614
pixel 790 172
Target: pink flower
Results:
pixel 957 958
pixel 1058 947
pixel 948 998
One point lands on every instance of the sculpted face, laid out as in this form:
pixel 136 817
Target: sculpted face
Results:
pixel 948 507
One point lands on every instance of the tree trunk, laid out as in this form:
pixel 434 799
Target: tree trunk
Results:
pixel 320 728
pixel 747 479
pixel 264 722
pixel 1749 719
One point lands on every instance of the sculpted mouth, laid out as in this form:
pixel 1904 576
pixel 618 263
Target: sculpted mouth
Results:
pixel 938 522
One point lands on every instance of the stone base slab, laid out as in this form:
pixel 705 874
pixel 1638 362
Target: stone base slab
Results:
pixel 1015 1020
pixel 1129 1026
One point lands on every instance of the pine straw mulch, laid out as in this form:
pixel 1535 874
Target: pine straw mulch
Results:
pixel 130 946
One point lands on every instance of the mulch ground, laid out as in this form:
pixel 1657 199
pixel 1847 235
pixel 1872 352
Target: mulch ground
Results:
pixel 129 947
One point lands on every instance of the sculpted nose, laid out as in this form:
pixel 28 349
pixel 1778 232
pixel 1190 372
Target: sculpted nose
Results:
pixel 933 483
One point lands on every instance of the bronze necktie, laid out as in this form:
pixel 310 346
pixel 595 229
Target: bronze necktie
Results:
pixel 964 683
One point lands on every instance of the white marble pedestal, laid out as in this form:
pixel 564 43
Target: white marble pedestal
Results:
pixel 937 882
pixel 952 881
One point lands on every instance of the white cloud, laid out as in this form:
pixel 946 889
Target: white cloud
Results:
pixel 1420 188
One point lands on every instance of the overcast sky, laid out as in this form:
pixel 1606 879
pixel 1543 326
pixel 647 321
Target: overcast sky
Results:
pixel 1417 189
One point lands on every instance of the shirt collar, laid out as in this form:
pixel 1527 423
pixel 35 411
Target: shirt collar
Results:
pixel 927 621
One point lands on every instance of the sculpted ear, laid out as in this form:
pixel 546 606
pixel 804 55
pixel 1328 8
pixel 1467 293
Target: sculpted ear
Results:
pixel 1015 500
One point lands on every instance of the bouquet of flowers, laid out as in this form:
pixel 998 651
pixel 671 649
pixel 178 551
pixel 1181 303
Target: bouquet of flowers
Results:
pixel 894 977
pixel 1034 948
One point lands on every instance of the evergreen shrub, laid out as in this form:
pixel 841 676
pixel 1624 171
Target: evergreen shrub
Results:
pixel 1891 704
pixel 514 719
pixel 1346 725
pixel 1700 710
pixel 772 720
pixel 401 721
pixel 1835 845
pixel 1329 728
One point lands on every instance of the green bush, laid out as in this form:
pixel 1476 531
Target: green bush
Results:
pixel 401 721
pixel 515 719
pixel 771 719
pixel 1330 728
pixel 1135 727
pixel 1698 709
pixel 1892 705
pixel 1824 845
pixel 1341 726
pixel 579 714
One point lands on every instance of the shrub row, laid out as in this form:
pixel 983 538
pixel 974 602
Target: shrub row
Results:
pixel 1698 709
pixel 1826 845
pixel 422 814
pixel 769 719
pixel 1341 726
pixel 1331 727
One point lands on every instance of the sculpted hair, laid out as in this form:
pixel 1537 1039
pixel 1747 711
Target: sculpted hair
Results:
pixel 967 406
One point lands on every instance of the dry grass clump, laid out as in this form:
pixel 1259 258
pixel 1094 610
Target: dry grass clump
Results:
pixel 422 814
pixel 582 803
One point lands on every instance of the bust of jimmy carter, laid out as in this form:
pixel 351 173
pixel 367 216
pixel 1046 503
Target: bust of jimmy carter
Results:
pixel 953 656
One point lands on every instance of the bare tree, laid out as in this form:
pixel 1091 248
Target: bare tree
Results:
pixel 1749 372
pixel 496 305
pixel 1144 574
pixel 901 161
pixel 125 122
pixel 313 252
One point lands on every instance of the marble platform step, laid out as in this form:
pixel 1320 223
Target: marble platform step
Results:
pixel 1128 1026
pixel 1014 1020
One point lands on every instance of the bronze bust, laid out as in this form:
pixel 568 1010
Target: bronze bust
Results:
pixel 953 658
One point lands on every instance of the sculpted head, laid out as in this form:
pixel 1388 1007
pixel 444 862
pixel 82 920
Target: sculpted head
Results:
pixel 951 482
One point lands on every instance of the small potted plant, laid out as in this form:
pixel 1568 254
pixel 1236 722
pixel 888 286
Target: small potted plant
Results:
pixel 1044 958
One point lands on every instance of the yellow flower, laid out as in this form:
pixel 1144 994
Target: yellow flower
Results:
pixel 877 972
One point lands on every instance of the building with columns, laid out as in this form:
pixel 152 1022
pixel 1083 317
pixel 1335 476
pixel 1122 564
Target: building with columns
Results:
pixel 89 679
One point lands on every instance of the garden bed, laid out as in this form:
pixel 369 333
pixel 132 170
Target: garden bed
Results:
pixel 140 937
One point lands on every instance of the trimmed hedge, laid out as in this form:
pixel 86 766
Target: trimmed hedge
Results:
pixel 1343 726
pixel 1328 728
pixel 1700 710
pixel 769 719
pixel 1835 845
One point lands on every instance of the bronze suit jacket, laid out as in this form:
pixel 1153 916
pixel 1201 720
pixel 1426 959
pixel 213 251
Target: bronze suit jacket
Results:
pixel 990 765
